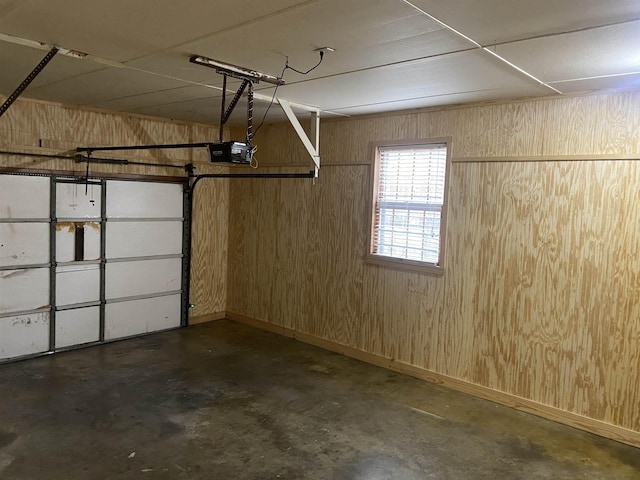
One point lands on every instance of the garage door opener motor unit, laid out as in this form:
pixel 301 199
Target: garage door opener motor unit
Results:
pixel 230 152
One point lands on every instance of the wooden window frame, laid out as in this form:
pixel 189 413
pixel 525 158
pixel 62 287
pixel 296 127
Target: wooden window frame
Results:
pixel 401 263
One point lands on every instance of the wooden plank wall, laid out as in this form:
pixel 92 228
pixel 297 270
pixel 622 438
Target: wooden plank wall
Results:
pixel 41 127
pixel 540 303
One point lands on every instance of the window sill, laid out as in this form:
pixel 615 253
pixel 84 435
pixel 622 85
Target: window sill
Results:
pixel 406 265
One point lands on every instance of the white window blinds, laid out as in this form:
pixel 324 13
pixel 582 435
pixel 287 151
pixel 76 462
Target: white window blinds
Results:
pixel 409 200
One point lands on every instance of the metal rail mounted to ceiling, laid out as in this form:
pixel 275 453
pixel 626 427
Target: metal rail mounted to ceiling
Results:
pixel 249 78
pixel 25 83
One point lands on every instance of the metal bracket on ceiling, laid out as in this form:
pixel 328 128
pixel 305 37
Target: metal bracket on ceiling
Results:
pixel 312 145
pixel 25 83
pixel 249 77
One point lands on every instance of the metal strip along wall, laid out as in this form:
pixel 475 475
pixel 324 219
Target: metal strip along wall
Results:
pixel 54 261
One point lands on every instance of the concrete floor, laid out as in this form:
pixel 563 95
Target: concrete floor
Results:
pixel 225 401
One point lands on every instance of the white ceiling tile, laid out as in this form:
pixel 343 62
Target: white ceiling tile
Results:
pixel 174 95
pixel 125 29
pixel 209 112
pixel 107 84
pixel 495 21
pixel 364 33
pixel 455 73
pixel 22 60
pixel 603 51
pixel 448 99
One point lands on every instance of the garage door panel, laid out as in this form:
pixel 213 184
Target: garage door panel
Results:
pixel 24 335
pixel 73 202
pixel 24 244
pixel 77 284
pixel 135 317
pixel 23 290
pixel 142 239
pixel 76 327
pixel 24 197
pixel 145 277
pixel 143 200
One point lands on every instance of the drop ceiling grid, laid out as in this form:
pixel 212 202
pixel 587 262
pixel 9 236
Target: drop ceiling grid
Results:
pixel 389 56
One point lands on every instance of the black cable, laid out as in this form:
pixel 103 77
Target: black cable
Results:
pixel 286 67
pixel 36 155
pixel 264 117
pixel 79 159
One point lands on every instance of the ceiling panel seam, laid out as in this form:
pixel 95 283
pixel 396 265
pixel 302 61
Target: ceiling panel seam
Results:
pixel 228 29
pixel 479 46
pixel 564 32
pixel 422 97
pixel 596 77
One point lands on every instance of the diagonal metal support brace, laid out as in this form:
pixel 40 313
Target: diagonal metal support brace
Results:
pixel 25 83
pixel 234 101
pixel 312 147
pixel 250 114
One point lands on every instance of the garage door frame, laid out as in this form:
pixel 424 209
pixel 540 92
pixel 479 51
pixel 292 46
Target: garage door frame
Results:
pixel 56 177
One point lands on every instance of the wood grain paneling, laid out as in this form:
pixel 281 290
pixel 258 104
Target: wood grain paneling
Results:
pixel 541 296
pixel 41 127
pixel 209 247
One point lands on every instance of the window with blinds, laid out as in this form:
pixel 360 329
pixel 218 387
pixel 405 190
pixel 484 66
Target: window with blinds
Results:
pixel 408 202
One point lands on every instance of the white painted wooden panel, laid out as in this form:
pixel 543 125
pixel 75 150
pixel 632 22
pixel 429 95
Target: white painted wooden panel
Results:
pixel 24 335
pixel 75 327
pixel 124 319
pixel 22 290
pixel 143 200
pixel 71 201
pixel 144 277
pixel 77 284
pixel 24 197
pixel 24 244
pixel 65 241
pixel 141 239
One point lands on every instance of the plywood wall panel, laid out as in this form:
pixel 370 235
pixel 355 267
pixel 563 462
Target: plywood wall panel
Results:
pixel 336 220
pixel 537 271
pixel 549 127
pixel 209 247
pixel 16 125
pixel 540 298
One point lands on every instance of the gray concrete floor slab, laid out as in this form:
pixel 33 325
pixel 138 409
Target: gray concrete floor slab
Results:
pixel 226 401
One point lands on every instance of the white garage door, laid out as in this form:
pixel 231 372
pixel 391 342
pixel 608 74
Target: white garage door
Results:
pixel 83 264
pixel 25 312
pixel 143 280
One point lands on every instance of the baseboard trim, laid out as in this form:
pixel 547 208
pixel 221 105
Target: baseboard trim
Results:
pixel 580 422
pixel 209 317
